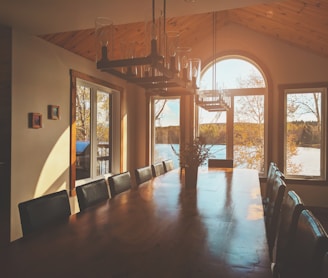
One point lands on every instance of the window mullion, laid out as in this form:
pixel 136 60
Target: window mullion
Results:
pixel 94 142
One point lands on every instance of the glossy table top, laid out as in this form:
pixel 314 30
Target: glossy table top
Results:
pixel 161 229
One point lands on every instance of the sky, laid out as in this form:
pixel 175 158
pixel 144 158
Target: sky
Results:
pixel 227 72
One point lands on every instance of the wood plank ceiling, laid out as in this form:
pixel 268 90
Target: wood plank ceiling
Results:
pixel 301 23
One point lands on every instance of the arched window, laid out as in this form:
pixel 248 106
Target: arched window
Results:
pixel 240 132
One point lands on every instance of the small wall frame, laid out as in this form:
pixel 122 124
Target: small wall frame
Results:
pixel 53 112
pixel 35 120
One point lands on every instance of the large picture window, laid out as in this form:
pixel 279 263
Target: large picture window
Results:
pixel 304 132
pixel 165 129
pixel 92 128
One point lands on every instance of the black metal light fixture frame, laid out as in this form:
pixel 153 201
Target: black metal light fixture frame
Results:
pixel 167 77
pixel 213 100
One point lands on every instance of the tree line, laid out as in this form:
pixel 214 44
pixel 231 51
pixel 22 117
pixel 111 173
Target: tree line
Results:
pixel 305 134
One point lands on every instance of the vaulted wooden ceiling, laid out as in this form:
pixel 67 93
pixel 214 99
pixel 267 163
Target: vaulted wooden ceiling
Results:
pixel 302 23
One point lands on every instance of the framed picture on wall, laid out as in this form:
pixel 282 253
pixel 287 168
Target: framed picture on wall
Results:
pixel 53 112
pixel 35 120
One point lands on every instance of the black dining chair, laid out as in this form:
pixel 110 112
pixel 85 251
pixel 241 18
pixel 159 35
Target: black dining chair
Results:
pixel 324 268
pixel 273 212
pixel 307 251
pixel 143 174
pixel 168 165
pixel 92 193
pixel 292 207
pixel 270 196
pixel 39 213
pixel 157 169
pixel 270 176
pixel 119 183
pixel 273 171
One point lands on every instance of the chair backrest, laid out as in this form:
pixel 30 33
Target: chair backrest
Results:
pixel 143 174
pixel 273 212
pixel 272 170
pixel 324 268
pixel 92 193
pixel 119 183
pixel 220 163
pixel 168 165
pixel 307 252
pixel 270 196
pixel 292 207
pixel 44 211
pixel 157 169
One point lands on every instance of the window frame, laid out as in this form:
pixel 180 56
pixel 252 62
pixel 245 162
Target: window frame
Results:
pixel 230 120
pixel 265 91
pixel 152 122
pixel 94 89
pixel 115 130
pixel 283 91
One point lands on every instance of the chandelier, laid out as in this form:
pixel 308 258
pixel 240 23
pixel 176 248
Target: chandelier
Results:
pixel 167 66
pixel 213 100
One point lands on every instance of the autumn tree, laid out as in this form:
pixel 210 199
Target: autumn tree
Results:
pixel 301 107
pixel 249 124
pixel 103 114
pixel 83 113
pixel 249 132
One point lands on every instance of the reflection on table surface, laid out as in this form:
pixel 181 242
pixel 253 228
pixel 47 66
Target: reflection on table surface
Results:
pixel 161 229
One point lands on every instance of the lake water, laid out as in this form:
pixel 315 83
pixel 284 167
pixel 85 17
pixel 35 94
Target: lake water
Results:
pixel 309 158
pixel 164 151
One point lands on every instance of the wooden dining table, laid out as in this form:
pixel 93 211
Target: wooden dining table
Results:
pixel 162 228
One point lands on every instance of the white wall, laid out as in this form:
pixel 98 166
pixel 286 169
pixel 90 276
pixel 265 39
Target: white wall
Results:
pixel 40 157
